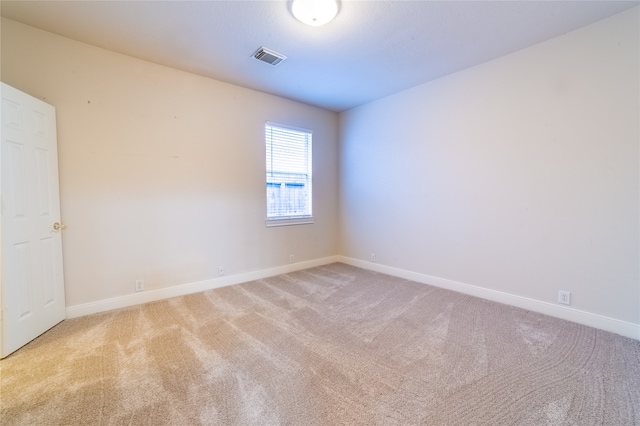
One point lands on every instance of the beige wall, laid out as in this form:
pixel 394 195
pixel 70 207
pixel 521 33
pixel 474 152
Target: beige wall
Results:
pixel 520 175
pixel 162 171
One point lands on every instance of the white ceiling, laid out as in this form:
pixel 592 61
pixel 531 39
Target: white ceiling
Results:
pixel 372 48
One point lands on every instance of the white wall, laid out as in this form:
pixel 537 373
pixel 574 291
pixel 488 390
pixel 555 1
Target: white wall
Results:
pixel 162 171
pixel 520 175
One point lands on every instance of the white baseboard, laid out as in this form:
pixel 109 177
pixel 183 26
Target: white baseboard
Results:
pixel 613 325
pixel 183 289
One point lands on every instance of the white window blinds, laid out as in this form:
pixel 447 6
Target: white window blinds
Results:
pixel 288 173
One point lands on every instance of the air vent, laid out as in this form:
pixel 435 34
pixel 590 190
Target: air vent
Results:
pixel 269 56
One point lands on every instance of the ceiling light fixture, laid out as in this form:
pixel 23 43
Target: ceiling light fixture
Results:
pixel 314 12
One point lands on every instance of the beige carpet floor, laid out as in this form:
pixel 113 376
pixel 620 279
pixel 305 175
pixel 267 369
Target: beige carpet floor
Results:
pixel 333 345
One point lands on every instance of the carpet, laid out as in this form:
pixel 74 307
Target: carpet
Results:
pixel 332 345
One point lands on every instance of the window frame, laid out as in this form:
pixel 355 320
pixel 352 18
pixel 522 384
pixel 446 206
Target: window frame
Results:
pixel 295 219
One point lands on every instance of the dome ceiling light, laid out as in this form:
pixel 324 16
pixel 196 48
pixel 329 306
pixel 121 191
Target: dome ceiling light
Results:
pixel 314 12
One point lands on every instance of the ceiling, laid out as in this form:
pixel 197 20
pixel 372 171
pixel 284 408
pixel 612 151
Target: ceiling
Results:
pixel 370 50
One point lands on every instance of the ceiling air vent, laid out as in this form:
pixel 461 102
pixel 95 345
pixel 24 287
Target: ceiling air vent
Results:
pixel 269 56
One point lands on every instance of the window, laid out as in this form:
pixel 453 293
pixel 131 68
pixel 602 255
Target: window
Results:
pixel 288 175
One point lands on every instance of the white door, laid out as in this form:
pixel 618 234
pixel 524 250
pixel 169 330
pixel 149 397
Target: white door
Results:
pixel 32 287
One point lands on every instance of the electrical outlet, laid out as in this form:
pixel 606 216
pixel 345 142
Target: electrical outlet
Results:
pixel 564 297
pixel 220 270
pixel 373 257
pixel 139 285
pixel 292 258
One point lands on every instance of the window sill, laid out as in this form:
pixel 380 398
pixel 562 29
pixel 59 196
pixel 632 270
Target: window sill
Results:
pixel 286 221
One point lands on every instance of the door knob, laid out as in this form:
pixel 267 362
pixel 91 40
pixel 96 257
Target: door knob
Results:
pixel 57 226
